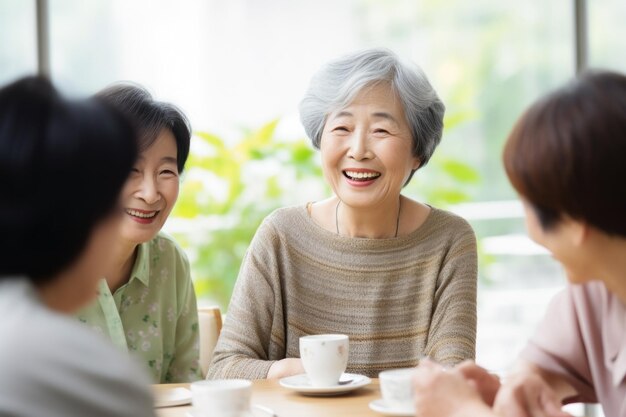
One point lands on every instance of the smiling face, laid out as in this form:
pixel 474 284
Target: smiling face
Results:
pixel 366 149
pixel 151 190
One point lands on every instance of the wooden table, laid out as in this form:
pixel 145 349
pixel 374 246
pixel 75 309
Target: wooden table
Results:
pixel 286 403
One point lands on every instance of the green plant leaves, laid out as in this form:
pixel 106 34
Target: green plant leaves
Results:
pixel 223 188
pixel 460 171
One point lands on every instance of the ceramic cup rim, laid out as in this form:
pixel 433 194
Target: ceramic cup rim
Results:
pixel 220 385
pixel 396 373
pixel 331 337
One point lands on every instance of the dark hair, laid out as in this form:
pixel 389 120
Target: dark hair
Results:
pixel 150 117
pixel 566 155
pixel 62 166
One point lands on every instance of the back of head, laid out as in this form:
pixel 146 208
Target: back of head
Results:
pixel 150 117
pixel 566 154
pixel 62 166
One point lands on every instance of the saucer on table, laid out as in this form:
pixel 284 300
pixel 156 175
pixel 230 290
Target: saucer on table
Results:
pixel 170 397
pixel 380 406
pixel 347 382
pixel 254 412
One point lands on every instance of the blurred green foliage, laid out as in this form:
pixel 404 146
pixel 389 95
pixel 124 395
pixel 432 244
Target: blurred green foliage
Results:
pixel 230 187
pixel 227 192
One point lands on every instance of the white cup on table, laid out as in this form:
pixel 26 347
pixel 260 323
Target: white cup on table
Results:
pixel 221 398
pixel 324 357
pixel 396 387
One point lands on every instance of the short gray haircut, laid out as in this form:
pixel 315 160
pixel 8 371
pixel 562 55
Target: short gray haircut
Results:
pixel 337 83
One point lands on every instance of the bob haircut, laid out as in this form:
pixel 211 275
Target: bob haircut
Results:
pixel 337 83
pixel 150 117
pixel 565 156
pixel 62 166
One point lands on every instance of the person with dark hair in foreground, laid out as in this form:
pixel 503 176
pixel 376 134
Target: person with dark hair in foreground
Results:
pixel 62 166
pixel 565 157
pixel 147 304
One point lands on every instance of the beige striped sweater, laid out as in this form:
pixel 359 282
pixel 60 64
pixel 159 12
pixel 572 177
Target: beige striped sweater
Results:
pixel 398 299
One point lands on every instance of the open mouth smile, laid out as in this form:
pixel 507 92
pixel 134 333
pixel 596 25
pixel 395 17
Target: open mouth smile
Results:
pixel 361 175
pixel 142 216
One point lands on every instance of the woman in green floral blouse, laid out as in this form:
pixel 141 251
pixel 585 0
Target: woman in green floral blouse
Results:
pixel 148 306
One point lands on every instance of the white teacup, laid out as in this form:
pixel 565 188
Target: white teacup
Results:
pixel 221 398
pixel 324 357
pixel 397 388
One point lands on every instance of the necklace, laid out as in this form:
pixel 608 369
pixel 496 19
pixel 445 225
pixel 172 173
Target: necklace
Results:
pixel 337 217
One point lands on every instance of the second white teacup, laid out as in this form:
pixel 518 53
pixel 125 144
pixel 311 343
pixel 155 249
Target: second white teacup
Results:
pixel 396 388
pixel 324 357
pixel 221 398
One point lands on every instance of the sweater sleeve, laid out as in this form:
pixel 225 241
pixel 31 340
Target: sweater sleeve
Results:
pixel 452 334
pixel 243 349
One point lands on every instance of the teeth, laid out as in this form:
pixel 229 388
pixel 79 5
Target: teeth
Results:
pixel 140 214
pixel 362 175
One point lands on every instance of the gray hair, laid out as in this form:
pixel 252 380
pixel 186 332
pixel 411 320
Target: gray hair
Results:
pixel 337 83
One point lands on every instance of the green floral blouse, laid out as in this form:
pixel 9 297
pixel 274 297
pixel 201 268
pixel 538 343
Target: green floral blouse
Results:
pixel 154 315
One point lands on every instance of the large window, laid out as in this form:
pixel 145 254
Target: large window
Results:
pixel 236 66
pixel 18 52
pixel 607 34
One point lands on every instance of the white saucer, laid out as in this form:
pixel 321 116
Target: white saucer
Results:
pixel 254 412
pixel 380 406
pixel 248 414
pixel 300 383
pixel 171 397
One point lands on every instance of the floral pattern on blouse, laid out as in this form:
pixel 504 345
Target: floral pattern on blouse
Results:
pixel 154 315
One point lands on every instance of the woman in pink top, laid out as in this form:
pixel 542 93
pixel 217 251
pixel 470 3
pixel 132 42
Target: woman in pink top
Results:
pixel 566 158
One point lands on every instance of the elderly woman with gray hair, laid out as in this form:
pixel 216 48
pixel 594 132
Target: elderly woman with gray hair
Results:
pixel 396 275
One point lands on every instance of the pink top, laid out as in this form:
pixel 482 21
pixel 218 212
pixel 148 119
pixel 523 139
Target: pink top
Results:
pixel 583 337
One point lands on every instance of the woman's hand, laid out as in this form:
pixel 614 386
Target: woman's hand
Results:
pixel 285 367
pixel 527 394
pixel 446 393
pixel 486 383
